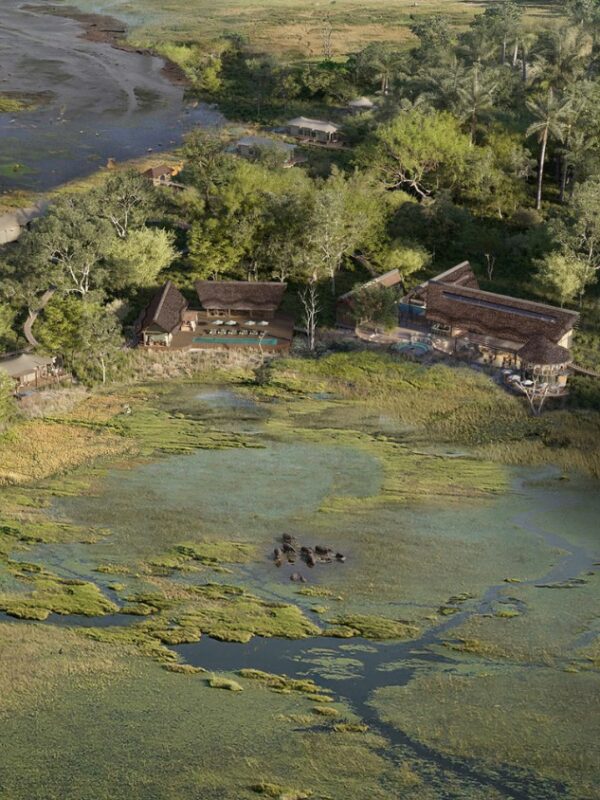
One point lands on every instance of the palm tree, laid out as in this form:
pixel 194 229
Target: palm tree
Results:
pixel 526 40
pixel 563 56
pixel 475 97
pixel 445 80
pixel 550 122
pixel 386 64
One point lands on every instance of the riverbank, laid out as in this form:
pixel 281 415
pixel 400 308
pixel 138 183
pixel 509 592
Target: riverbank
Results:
pixel 106 103
pixel 104 29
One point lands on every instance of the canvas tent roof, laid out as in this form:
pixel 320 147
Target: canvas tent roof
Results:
pixel 314 124
pixel 23 364
pixel 361 102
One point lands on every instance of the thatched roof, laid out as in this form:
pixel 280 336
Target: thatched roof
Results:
pixel 540 350
pixel 165 309
pixel 159 172
pixel 493 314
pixel 240 295
pixel 388 279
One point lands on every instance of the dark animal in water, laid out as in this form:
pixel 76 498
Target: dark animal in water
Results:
pixel 288 548
pixel 340 556
pixel 297 578
pixel 310 559
pixel 287 537
pixel 306 550
pixel 277 557
pixel 321 550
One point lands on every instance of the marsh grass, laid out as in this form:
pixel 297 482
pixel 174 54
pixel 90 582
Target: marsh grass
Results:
pixel 44 593
pixel 219 682
pixel 446 404
pixel 39 449
pixel 287 27
pixel 282 683
pixel 541 720
pixel 372 627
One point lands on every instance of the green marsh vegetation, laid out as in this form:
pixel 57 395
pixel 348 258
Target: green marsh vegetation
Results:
pixel 162 733
pixel 423 528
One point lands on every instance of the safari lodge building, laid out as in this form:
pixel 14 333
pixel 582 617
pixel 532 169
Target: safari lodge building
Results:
pixel 315 131
pixel 493 329
pixel 30 371
pixel 232 314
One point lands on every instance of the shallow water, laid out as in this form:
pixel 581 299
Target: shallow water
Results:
pixel 543 530
pixel 100 102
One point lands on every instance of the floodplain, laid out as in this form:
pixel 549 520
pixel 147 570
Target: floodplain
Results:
pixel 149 635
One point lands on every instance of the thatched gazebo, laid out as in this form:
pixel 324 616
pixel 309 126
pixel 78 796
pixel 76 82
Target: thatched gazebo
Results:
pixel 361 104
pixel 543 359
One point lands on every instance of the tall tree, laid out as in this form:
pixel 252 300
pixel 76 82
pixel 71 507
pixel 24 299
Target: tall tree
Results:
pixel 418 151
pixel 565 276
pixel 550 119
pixel 343 217
pixel 476 97
pixel 126 200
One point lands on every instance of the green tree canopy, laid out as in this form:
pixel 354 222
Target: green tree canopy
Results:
pixel 424 152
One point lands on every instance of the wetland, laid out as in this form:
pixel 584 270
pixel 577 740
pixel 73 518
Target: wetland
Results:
pixel 95 102
pixel 149 636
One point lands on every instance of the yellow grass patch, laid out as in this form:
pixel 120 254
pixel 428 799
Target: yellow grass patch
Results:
pixel 38 449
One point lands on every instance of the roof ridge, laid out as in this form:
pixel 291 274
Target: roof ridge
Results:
pixel 165 288
pixel 555 309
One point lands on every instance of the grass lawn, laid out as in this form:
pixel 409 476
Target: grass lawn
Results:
pixel 288 26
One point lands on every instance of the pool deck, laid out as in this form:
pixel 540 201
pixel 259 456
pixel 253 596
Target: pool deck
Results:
pixel 280 327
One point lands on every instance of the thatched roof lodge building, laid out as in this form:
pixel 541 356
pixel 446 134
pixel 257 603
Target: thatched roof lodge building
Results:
pixel 162 175
pixel 163 316
pixel 232 314
pixel 491 328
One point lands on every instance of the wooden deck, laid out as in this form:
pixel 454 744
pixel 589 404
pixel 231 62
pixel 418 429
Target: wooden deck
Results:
pixel 238 336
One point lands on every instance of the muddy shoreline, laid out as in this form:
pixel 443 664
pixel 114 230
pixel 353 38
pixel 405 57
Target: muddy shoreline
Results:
pixel 104 29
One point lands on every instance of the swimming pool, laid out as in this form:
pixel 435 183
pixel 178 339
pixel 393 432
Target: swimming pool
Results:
pixel 412 348
pixel 267 341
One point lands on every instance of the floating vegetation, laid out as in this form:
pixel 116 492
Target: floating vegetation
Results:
pixel 221 552
pixel 184 669
pixel 350 727
pixel 218 682
pixel 372 627
pixel 325 711
pixel 283 683
pixel 507 613
pixel 44 593
pixel 318 591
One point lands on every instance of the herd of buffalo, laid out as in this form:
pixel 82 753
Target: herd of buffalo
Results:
pixel 289 552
